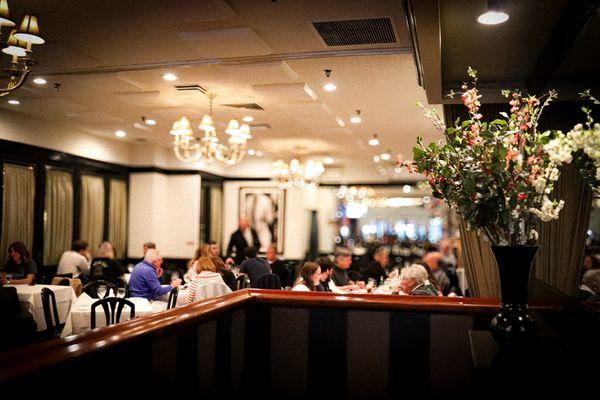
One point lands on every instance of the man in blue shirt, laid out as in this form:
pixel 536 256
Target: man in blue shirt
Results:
pixel 144 278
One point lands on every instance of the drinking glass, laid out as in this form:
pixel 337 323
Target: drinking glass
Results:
pixel 121 292
pixel 101 291
pixel 174 275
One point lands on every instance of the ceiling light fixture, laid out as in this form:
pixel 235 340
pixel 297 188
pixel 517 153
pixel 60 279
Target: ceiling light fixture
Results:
pixel 329 86
pixel 248 118
pixel 40 81
pixel 340 122
pixel 495 14
pixel 385 156
pixel 374 141
pixel 356 119
pixel 14 102
pixel 328 160
pixel 259 153
pixel 407 188
pixel 170 77
pixel 120 134
pixel 190 148
pixel 296 174
pixel 251 152
pixel 18 44
pixel 376 158
pixel 149 121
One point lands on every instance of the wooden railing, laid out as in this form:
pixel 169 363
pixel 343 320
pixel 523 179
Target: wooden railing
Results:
pixel 261 314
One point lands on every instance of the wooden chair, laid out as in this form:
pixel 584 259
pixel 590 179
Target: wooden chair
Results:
pixel 113 307
pixel 92 288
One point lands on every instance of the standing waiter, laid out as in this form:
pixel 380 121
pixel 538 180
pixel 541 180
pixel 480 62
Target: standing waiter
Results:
pixel 244 237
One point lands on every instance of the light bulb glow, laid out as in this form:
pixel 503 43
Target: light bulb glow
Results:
pixel 493 18
pixel 385 156
pixel 328 160
pixel 40 81
pixel 150 121
pixel 329 87
pixel 170 77
pixel 248 118
pixel 14 102
pixel 120 133
pixel 374 142
pixel 356 119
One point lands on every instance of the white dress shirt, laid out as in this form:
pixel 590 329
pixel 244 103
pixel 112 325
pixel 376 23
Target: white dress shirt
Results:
pixel 71 262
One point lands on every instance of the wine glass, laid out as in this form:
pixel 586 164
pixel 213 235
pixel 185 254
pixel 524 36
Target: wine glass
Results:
pixel 121 292
pixel 101 290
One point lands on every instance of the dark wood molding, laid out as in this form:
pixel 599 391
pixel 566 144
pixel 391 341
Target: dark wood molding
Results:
pixel 411 25
pixel 571 22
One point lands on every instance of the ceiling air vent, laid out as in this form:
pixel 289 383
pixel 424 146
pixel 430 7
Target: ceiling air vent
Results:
pixel 247 106
pixel 353 32
pixel 260 127
pixel 190 88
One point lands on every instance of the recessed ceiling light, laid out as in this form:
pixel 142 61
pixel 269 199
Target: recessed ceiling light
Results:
pixel 251 152
pixel 374 141
pixel 385 156
pixel 40 81
pixel 259 153
pixel 248 118
pixel 495 14
pixel 340 122
pixel 149 121
pixel 14 102
pixel 356 119
pixel 170 77
pixel 376 159
pixel 120 133
pixel 407 188
pixel 329 85
pixel 328 160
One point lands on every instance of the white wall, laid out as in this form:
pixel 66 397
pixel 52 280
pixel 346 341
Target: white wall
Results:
pixel 164 209
pixel 298 204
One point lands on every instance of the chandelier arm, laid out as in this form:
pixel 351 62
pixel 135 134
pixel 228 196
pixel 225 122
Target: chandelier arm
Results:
pixel 12 86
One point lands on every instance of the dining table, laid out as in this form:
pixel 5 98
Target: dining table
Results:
pixel 30 297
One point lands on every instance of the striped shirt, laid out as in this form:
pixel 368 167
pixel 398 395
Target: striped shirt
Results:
pixel 203 278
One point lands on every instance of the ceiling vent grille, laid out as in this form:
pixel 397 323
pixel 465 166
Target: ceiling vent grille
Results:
pixel 190 88
pixel 355 32
pixel 260 126
pixel 247 106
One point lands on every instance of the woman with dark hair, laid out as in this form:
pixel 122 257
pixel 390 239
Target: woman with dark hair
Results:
pixel 225 271
pixel 19 265
pixel 326 270
pixel 308 278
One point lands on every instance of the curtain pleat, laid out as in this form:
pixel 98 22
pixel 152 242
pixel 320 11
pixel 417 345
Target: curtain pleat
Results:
pixel 92 211
pixel 216 213
pixel 480 264
pixel 562 242
pixel 17 207
pixel 58 215
pixel 117 217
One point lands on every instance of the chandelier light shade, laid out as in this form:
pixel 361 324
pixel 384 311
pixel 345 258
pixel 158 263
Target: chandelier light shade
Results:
pixel 17 44
pixel 295 174
pixel 190 148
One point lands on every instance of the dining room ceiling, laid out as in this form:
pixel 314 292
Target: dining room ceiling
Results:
pixel 265 59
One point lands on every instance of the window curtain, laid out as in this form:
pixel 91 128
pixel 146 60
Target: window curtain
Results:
pixel 117 217
pixel 58 215
pixel 92 211
pixel 562 241
pixel 216 213
pixel 17 207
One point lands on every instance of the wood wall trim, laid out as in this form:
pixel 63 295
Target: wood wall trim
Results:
pixel 56 351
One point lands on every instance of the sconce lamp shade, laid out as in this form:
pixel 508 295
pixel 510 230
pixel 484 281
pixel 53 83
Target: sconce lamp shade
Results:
pixel 14 47
pixel 182 128
pixel 233 127
pixel 207 124
pixel 5 19
pixel 29 31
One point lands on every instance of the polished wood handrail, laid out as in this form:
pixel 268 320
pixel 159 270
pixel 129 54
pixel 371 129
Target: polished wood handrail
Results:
pixel 55 351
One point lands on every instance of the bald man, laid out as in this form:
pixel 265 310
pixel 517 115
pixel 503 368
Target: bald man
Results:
pixel 244 237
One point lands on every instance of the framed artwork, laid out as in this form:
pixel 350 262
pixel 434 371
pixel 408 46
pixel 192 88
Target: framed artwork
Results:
pixel 265 210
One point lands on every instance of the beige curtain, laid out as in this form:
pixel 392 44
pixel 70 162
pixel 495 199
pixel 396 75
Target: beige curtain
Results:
pixel 58 215
pixel 562 242
pixel 117 217
pixel 216 213
pixel 17 207
pixel 92 211
pixel 480 264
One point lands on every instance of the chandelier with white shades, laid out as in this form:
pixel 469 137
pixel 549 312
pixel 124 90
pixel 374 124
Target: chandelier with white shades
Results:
pixel 18 44
pixel 191 148
pixel 295 174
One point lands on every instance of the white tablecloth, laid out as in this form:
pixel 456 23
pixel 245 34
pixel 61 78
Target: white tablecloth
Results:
pixel 31 300
pixel 79 319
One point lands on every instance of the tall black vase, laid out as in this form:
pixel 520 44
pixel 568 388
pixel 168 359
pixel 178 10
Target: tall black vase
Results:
pixel 514 326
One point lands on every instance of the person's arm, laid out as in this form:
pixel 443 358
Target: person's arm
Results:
pixel 26 281
pixel 154 285
pixel 84 265
pixel 191 292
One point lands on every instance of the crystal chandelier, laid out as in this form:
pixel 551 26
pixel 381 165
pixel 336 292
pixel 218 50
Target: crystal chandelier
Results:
pixel 18 45
pixel 190 148
pixel 297 174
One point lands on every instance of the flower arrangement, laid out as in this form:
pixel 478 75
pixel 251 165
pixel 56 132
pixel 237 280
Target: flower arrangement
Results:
pixel 497 175
pixel 585 143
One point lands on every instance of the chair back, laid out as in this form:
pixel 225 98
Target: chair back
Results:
pixel 206 290
pixel 112 307
pixel 172 302
pixel 92 288
pixel 241 282
pixel 270 281
pixel 53 325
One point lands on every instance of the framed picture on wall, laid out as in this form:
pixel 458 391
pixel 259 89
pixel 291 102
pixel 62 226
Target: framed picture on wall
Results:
pixel 265 210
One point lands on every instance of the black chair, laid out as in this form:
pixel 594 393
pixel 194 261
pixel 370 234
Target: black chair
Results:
pixel 70 276
pixel 53 325
pixel 172 302
pixel 113 307
pixel 92 288
pixel 241 282
pixel 270 281
pixel 64 282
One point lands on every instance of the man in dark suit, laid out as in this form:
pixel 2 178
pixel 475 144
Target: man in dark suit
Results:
pixel 278 267
pixel 244 237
